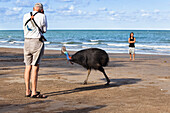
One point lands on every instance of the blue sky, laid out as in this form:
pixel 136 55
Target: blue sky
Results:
pixel 90 14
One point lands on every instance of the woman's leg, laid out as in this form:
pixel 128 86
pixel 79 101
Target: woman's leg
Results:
pixel 134 56
pixel 130 56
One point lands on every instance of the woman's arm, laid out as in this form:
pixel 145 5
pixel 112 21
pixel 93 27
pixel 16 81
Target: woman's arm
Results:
pixel 132 41
pixel 129 40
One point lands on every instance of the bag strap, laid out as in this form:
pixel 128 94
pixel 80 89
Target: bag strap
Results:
pixel 32 18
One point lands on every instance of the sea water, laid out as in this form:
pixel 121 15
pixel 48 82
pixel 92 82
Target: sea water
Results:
pixel 112 41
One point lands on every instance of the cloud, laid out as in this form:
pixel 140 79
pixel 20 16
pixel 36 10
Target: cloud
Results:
pixel 112 12
pixel 66 8
pixel 24 3
pixel 92 13
pixel 11 13
pixel 8 15
pixel 17 9
pixel 71 8
pixel 67 0
pixel 81 3
pixel 5 0
pixel 71 11
pixel 142 10
pixel 150 15
pixel 49 10
pixel 77 3
pixel 103 9
pixel 145 14
pixel 112 18
pixel 156 11
pixel 14 11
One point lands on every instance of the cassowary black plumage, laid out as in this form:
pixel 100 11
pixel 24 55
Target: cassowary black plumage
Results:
pixel 92 58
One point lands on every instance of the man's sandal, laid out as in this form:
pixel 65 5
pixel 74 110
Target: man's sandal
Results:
pixel 38 96
pixel 30 94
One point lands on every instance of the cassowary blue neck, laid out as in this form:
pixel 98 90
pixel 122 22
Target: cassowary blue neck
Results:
pixel 67 55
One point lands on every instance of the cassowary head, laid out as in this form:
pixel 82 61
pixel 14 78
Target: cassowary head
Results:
pixel 64 51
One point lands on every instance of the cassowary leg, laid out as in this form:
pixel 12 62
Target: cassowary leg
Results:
pixel 89 70
pixel 102 70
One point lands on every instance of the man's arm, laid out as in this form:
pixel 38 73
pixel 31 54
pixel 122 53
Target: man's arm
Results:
pixel 44 27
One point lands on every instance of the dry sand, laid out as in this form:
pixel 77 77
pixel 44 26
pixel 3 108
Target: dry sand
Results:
pixel 140 86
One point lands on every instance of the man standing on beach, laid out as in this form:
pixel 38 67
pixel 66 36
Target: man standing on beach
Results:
pixel 33 47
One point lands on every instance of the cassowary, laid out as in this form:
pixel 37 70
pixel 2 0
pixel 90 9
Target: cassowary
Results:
pixel 92 58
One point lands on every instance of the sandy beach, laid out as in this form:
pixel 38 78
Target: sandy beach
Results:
pixel 140 86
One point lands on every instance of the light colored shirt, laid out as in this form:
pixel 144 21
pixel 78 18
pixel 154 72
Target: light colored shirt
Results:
pixel 31 30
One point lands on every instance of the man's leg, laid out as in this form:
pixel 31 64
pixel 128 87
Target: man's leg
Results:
pixel 27 78
pixel 34 77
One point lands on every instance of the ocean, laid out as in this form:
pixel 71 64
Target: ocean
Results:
pixel 155 42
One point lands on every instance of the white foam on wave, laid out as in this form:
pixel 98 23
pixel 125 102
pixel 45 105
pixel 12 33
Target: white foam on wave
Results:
pixel 18 42
pixel 120 49
pixel 94 40
pixel 139 45
pixel 164 50
pixel 85 47
pixel 11 42
pixel 46 42
pixel 59 48
pixel 70 45
pixel 64 42
pixel 153 46
pixel 109 49
pixel 9 46
pixel 118 45
pixel 4 41
pixel 90 43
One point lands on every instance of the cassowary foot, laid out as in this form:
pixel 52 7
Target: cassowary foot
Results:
pixel 108 82
pixel 85 82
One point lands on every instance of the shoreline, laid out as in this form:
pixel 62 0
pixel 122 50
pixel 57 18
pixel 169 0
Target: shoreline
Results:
pixel 47 49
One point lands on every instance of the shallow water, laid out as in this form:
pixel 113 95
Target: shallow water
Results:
pixel 113 41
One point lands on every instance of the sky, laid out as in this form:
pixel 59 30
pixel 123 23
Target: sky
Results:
pixel 90 14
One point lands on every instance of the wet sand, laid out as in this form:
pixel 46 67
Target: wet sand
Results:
pixel 140 86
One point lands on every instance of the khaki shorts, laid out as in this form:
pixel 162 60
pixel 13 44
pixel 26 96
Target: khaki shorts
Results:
pixel 33 51
pixel 131 50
